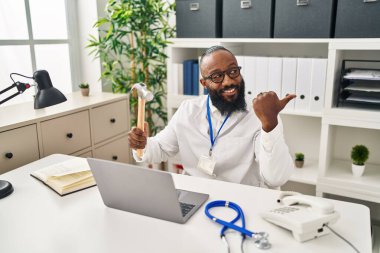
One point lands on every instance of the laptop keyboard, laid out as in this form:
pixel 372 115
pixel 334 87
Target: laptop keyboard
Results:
pixel 185 208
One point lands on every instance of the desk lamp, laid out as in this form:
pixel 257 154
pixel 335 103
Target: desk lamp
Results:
pixel 46 96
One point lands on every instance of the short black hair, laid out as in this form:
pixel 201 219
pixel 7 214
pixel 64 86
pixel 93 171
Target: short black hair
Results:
pixel 211 50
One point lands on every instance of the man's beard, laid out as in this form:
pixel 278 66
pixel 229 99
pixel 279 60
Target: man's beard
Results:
pixel 226 107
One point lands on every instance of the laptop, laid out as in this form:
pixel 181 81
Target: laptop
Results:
pixel 144 191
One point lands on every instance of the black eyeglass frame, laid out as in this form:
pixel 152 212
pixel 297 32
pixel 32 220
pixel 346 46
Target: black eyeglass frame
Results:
pixel 224 74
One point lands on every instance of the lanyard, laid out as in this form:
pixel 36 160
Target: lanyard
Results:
pixel 212 139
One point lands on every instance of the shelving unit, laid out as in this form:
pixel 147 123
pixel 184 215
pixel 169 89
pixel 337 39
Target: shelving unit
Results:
pixel 182 49
pixel 325 137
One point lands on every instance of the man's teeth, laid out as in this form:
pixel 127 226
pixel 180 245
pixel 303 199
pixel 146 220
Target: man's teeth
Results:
pixel 230 90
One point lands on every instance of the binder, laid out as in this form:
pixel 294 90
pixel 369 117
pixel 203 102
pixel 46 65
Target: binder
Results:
pixel 195 78
pixel 274 75
pixel 303 83
pixel 177 79
pixel 241 62
pixel 318 84
pixel 179 82
pixel 289 75
pixel 261 74
pixel 187 77
pixel 249 78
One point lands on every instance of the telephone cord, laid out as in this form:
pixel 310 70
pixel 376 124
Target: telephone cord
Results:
pixel 341 237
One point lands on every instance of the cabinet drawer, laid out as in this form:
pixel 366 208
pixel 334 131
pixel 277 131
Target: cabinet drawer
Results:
pixel 109 120
pixel 18 147
pixel 85 155
pixel 66 134
pixel 115 151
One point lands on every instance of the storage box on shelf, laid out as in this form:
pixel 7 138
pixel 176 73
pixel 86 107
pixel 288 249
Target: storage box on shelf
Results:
pixel 84 126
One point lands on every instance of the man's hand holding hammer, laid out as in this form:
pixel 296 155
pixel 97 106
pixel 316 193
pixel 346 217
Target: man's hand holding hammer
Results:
pixel 137 137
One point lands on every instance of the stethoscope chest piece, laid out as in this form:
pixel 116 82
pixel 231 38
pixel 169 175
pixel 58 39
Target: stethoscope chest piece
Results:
pixel 261 240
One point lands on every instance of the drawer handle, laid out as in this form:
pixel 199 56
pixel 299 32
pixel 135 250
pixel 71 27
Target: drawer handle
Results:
pixel 302 97
pixel 194 6
pixel 9 155
pixel 302 2
pixel 69 135
pixel 114 157
pixel 245 4
pixel 113 120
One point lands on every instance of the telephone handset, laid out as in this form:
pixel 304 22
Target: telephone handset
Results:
pixel 304 215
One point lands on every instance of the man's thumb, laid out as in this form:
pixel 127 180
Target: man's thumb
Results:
pixel 286 100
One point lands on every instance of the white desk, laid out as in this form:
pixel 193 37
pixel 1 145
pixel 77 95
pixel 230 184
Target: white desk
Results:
pixel 35 219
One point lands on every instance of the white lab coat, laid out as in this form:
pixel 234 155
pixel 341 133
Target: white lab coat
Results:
pixel 244 153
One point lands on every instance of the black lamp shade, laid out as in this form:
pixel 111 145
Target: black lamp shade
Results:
pixel 47 95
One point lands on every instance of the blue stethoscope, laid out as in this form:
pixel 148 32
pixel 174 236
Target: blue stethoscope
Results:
pixel 260 238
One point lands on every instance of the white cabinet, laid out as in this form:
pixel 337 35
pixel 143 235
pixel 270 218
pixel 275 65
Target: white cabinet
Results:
pixel 94 126
pixel 326 136
pixel 66 134
pixel 18 147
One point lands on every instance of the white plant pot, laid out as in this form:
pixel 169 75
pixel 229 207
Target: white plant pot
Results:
pixel 358 170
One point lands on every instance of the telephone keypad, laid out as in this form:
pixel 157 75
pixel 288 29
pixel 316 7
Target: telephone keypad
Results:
pixel 285 209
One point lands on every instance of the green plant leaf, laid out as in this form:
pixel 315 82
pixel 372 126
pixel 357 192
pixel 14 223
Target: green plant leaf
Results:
pixel 126 61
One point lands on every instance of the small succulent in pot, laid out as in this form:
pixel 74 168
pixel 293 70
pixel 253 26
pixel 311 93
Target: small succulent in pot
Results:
pixel 359 155
pixel 299 161
pixel 85 89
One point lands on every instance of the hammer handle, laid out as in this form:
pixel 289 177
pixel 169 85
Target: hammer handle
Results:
pixel 140 120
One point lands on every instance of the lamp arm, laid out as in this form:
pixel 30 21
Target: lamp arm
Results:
pixel 21 87
pixel 8 88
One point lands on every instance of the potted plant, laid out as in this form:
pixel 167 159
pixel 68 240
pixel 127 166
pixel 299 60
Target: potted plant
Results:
pixel 359 155
pixel 85 89
pixel 299 161
pixel 132 39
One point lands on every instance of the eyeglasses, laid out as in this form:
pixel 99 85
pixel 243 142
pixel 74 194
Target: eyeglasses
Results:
pixel 218 77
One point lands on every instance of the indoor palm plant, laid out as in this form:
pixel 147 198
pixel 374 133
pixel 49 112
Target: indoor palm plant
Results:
pixel 131 46
pixel 359 155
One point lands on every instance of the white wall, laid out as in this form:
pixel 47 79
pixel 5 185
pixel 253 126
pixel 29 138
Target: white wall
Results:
pixel 90 67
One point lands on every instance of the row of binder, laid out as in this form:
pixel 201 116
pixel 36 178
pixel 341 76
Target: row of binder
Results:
pixel 191 77
pixel 186 78
pixel 305 77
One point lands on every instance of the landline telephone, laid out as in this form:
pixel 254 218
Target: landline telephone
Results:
pixel 306 216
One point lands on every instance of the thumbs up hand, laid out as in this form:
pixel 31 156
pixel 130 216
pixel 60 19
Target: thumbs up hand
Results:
pixel 267 106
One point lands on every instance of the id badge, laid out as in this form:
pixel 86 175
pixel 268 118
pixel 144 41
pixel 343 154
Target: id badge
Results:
pixel 207 165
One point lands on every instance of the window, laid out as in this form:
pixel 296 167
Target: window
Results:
pixel 37 34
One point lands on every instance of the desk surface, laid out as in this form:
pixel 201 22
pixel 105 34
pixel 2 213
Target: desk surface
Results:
pixel 36 219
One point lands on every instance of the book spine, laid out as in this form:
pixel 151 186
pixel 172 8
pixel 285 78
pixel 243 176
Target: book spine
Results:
pixel 195 79
pixel 187 77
